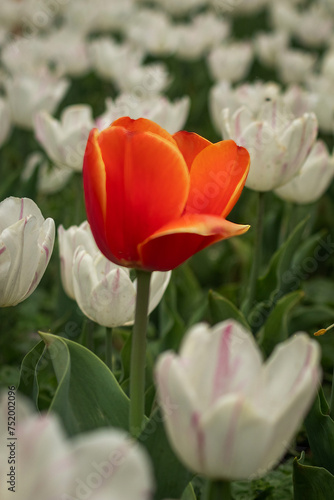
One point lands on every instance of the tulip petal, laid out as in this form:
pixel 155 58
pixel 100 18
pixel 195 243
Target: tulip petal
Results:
pixel 175 242
pixel 147 184
pixel 142 125
pixel 217 177
pixel 190 145
pixel 180 408
pixel 94 178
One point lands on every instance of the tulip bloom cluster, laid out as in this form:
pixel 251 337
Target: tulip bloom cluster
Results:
pixel 152 199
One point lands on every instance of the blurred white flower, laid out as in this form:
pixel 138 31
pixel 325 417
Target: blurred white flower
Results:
pixel 67 50
pixel 268 46
pixel 176 7
pixel 239 7
pixel 196 38
pixel 327 66
pixel 25 56
pixel 170 116
pixel 313 26
pixel 10 13
pixel 110 59
pixel 104 291
pixel 29 94
pixel 294 65
pixel 233 414
pixel 152 31
pixel 312 180
pixel 230 62
pixel 5 121
pixel 284 16
pixel 102 464
pixel 146 80
pixel 26 244
pixel 50 180
pixel 278 143
pixel 65 141
pixel 251 95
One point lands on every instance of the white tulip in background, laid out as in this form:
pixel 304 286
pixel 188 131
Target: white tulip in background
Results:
pixel 312 180
pixel 251 95
pixel 26 244
pixel 50 180
pixel 230 62
pixel 171 116
pixel 278 143
pixel 65 141
pixel 5 121
pixel 27 94
pixel 268 46
pixel 104 291
pixel 234 415
pixel 294 65
pixel 101 465
pixel 176 7
pixel 313 26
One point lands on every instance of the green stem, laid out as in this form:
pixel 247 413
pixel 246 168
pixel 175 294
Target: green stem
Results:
pixel 218 490
pixel 109 347
pixel 87 334
pixel 248 303
pixel 138 354
pixel 331 404
pixel 286 222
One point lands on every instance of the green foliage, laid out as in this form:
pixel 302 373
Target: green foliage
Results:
pixel 311 483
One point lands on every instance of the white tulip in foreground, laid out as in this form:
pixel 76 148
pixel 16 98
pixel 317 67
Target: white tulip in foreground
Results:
pixel 102 465
pixel 26 244
pixel 313 178
pixel 233 414
pixel 104 291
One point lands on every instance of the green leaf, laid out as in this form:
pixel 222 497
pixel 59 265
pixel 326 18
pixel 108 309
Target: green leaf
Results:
pixel 275 329
pixel 28 384
pixel 320 432
pixel 171 476
pixel 311 483
pixel 221 308
pixel 189 493
pixel 88 396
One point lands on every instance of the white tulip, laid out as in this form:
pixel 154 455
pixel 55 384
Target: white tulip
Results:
pixel 268 46
pixel 294 65
pixel 49 180
pixel 233 415
pixel 69 240
pixel 230 62
pixel 29 94
pixel 100 465
pixel 65 140
pixel 26 244
pixel 278 142
pixel 104 291
pixel 5 121
pixel 170 116
pixel 313 178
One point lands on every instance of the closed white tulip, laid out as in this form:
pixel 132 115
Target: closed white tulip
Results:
pixel 28 94
pixel 65 140
pixel 313 178
pixel 101 465
pixel 26 244
pixel 230 62
pixel 231 416
pixel 278 143
pixel 104 291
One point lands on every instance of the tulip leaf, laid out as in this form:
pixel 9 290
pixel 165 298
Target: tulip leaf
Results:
pixel 88 396
pixel 189 493
pixel 275 329
pixel 320 431
pixel 311 483
pixel 171 476
pixel 28 384
pixel 281 277
pixel 221 309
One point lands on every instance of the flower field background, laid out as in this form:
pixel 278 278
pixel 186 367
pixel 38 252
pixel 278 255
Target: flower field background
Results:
pixel 259 72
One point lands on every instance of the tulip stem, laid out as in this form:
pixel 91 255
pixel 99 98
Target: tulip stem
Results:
pixel 138 354
pixel 257 252
pixel 331 404
pixel 109 347
pixel 218 490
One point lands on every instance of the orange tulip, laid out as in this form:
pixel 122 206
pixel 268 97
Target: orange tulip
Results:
pixel 152 199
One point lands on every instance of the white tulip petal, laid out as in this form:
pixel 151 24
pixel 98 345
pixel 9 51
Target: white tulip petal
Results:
pixel 111 466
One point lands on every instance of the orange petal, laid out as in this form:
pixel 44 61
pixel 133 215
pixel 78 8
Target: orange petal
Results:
pixel 147 185
pixel 94 178
pixel 190 145
pixel 177 241
pixel 217 177
pixel 142 125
